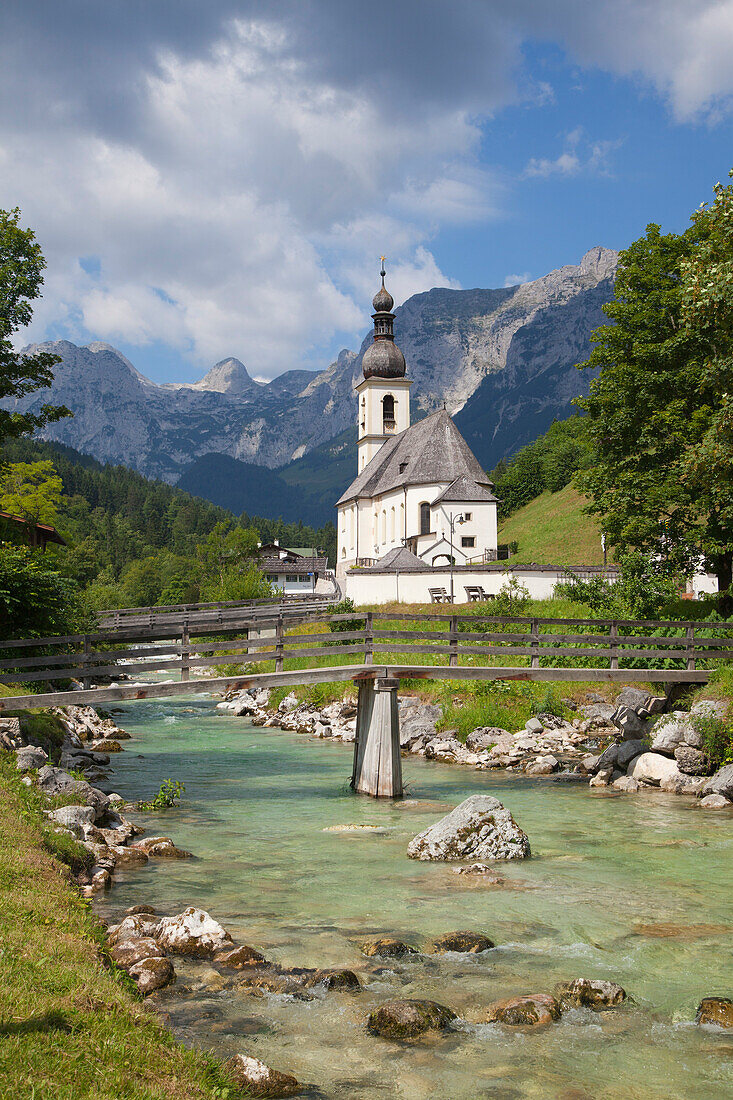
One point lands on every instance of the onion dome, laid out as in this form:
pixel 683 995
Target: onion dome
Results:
pixel 383 359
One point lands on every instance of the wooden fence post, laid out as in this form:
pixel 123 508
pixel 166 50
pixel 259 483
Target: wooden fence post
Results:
pixel 613 645
pixel 86 679
pixel 453 641
pixel 690 647
pixel 535 642
pixel 185 652
pixel 369 639
pixel 279 644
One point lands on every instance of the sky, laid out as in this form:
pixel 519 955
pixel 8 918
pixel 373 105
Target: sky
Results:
pixel 215 178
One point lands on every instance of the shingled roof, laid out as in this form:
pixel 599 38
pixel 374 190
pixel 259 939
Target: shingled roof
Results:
pixel 433 450
pixel 399 560
pixel 464 488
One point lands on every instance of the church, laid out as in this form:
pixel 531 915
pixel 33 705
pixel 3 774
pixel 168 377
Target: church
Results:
pixel 419 491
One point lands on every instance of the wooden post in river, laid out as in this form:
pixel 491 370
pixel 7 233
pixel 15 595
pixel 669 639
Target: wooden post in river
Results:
pixel 377 760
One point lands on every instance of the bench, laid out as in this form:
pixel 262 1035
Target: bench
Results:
pixel 476 594
pixel 439 595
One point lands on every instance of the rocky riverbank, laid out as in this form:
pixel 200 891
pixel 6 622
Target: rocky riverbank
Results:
pixel 633 744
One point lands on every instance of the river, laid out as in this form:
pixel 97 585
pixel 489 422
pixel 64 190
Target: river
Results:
pixel 634 888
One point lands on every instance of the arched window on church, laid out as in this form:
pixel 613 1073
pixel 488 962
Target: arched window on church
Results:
pixel 392 525
pixel 384 526
pixel 388 420
pixel 424 518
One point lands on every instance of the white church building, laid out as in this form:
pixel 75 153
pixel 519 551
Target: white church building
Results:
pixel 418 486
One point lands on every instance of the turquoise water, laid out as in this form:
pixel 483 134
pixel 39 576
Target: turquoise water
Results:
pixel 635 888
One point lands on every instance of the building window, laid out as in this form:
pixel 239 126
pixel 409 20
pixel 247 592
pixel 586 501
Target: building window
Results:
pixel 388 420
pixel 424 518
pixel 292 578
pixel 468 540
pixel 392 525
pixel 403 467
pixel 272 578
pixel 467 516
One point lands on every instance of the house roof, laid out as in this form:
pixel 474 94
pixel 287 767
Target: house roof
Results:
pixel 433 450
pixel 399 560
pixel 45 531
pixel 465 489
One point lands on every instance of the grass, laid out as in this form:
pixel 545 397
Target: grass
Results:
pixel 41 728
pixel 72 1027
pixel 553 529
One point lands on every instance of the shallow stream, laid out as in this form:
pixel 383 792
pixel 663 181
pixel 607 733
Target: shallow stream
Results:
pixel 635 888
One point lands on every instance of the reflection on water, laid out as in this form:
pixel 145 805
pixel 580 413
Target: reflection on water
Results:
pixel 632 888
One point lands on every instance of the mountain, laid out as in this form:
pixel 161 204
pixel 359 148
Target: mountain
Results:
pixel 244 487
pixel 503 361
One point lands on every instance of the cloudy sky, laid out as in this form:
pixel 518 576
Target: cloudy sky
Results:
pixel 219 177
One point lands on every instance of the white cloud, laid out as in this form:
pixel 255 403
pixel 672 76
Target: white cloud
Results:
pixel 238 169
pixel 517 280
pixel 579 155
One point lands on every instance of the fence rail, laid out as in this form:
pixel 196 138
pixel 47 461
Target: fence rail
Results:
pixel 208 614
pixel 453 646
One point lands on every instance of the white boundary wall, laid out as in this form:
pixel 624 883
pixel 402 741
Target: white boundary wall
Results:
pixel 378 588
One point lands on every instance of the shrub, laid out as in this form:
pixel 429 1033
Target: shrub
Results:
pixel 717 738
pixel 167 797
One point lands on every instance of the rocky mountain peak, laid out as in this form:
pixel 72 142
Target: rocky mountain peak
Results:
pixel 227 376
pixel 600 262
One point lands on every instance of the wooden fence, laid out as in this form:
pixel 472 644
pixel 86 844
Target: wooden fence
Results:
pixel 415 645
pixel 154 620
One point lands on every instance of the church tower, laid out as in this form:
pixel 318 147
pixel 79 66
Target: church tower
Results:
pixel 384 395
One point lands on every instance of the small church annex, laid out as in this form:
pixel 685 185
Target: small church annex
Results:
pixel 418 486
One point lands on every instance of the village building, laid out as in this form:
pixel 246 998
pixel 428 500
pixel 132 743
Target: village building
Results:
pixel 419 486
pixel 294 571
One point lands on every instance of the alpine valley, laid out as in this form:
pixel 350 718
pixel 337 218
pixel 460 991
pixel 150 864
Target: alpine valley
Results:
pixel 503 362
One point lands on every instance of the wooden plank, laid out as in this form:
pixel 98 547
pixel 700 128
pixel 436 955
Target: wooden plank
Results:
pixel 322 651
pixel 619 676
pixel 193 687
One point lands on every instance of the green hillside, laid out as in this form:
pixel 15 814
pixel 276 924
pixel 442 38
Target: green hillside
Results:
pixel 553 530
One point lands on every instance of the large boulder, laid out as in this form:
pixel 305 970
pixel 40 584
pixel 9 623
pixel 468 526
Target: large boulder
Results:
pixel 260 1080
pixel 721 783
pixel 602 712
pixel 465 943
pixel 409 1018
pixel 528 1010
pixel 715 1010
pixel 542 765
pixel 56 781
pixel 651 768
pixel 73 818
pixel 30 756
pixel 589 992
pixel 192 932
pixel 671 731
pixel 692 761
pixel 162 847
pixel 629 723
pixel 715 802
pixel 129 953
pixel 134 927
pixel 418 721
pixel 152 973
pixel 636 698
pixel 710 708
pixel 628 751
pixel 240 958
pixel 480 828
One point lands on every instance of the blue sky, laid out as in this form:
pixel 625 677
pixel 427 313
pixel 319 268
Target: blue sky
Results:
pixel 216 179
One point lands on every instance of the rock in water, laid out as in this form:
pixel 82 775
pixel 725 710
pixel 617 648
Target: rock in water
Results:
pixel 715 1010
pixel 192 932
pixel 480 828
pixel 721 782
pixel 651 768
pixel 715 802
pixel 408 1019
pixel 259 1079
pixel 530 1010
pixel 590 992
pixel 152 973
pixel 240 958
pixel 467 943
pixel 387 948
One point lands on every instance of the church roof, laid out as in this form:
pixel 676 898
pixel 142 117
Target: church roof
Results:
pixel 400 560
pixel 432 450
pixel 464 488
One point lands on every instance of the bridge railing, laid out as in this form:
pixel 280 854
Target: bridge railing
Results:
pixel 208 614
pixel 280 642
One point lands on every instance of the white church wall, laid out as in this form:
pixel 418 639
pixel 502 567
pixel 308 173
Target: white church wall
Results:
pixel 366 588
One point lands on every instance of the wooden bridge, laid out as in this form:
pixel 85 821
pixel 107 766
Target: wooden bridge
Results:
pixel 273 648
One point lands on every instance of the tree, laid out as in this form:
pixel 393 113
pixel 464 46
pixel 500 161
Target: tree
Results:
pixel 31 490
pixel 21 279
pixel 657 412
pixel 35 600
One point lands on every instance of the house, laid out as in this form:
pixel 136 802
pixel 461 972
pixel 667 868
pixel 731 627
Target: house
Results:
pixel 418 486
pixel 35 534
pixel 294 571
